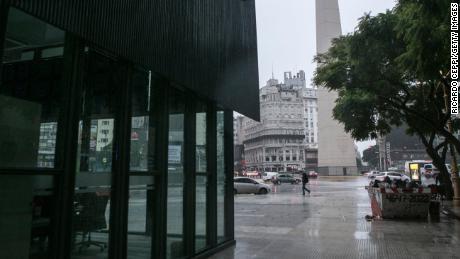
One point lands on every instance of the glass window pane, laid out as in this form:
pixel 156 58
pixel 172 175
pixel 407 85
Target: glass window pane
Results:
pixel 200 213
pixel 220 178
pixel 201 179
pixel 200 147
pixel 26 210
pixel 141 189
pixel 30 92
pixel 102 79
pixel 175 179
pixel 140 216
pixel 140 125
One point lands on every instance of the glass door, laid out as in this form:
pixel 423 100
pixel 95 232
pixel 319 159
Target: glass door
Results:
pixel 102 79
pixel 142 169
pixel 201 178
pixel 175 191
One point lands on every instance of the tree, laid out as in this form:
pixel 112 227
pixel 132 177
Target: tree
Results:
pixel 370 155
pixel 387 73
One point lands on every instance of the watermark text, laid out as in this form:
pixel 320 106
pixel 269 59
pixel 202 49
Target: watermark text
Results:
pixel 454 58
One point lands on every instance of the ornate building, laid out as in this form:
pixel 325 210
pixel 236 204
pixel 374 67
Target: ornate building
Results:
pixel 285 139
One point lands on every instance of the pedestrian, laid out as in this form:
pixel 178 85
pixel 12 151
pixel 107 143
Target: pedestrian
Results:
pixel 304 182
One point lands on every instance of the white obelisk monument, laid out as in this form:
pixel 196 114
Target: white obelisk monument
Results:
pixel 336 150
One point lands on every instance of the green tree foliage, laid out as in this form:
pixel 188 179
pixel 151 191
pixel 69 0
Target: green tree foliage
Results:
pixel 371 156
pixel 391 71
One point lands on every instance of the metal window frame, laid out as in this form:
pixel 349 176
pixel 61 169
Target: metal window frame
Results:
pixel 67 141
pixel 229 217
pixel 161 106
pixel 120 169
pixel 189 177
pixel 201 103
pixel 212 174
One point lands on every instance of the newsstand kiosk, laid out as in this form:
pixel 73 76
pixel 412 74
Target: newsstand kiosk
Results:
pixel 415 172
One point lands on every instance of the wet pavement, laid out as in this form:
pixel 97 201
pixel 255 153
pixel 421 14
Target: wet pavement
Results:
pixel 330 223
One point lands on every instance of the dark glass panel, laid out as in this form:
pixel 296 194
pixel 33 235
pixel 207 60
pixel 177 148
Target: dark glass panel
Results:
pixel 30 92
pixel 140 216
pixel 220 177
pixel 201 179
pixel 26 210
pixel 175 206
pixel 103 77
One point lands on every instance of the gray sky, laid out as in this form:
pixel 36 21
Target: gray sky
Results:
pixel 286 34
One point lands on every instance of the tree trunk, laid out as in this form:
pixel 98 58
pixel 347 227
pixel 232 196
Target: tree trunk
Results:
pixel 444 176
pixel 440 163
pixel 451 139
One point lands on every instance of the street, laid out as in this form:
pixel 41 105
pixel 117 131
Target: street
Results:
pixel 330 223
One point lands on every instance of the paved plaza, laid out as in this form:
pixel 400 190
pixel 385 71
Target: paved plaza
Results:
pixel 330 223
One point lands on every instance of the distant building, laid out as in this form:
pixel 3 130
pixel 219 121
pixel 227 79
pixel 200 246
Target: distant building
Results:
pixel 238 147
pixel 286 137
pixel 397 147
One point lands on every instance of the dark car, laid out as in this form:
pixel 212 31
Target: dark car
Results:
pixel 288 178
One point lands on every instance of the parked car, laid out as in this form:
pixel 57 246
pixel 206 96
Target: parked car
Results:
pixel 248 185
pixel 288 178
pixel 393 176
pixel 267 176
pixel 312 174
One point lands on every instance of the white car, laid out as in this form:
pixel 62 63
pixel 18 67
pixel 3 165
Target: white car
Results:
pixel 267 176
pixel 393 176
pixel 248 185
pixel 372 174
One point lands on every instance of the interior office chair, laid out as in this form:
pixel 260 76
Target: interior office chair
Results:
pixel 90 217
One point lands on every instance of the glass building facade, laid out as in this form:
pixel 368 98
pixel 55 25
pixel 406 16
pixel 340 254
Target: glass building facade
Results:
pixel 102 156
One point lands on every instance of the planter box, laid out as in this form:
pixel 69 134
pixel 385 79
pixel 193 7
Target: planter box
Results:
pixel 400 203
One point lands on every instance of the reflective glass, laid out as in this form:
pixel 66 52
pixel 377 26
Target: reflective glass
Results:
pixel 26 211
pixel 30 92
pixel 220 178
pixel 140 216
pixel 141 188
pixel 141 128
pixel 175 206
pixel 201 182
pixel 103 77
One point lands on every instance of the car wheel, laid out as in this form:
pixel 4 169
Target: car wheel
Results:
pixel 235 191
pixel 263 191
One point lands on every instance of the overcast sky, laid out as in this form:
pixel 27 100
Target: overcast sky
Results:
pixel 286 34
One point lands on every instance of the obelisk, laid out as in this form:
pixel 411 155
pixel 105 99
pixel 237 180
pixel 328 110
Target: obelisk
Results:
pixel 336 150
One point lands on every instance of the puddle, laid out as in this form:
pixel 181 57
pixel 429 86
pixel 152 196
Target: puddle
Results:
pixel 361 235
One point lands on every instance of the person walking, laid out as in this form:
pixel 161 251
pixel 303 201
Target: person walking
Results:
pixel 304 182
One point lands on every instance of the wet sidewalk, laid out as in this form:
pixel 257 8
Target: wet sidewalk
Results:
pixel 330 223
pixel 451 210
